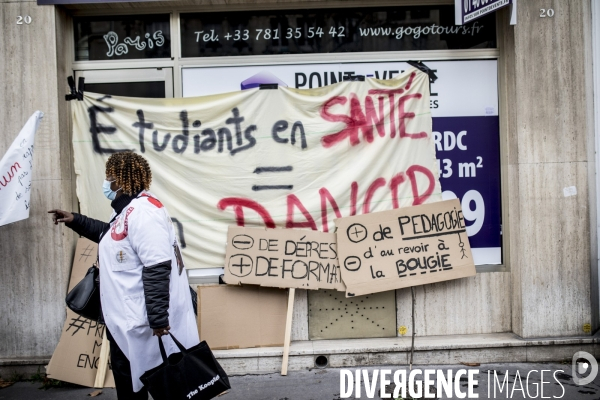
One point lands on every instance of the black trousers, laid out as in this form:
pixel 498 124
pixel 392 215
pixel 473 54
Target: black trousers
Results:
pixel 122 373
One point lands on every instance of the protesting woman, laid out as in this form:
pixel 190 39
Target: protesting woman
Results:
pixel 144 290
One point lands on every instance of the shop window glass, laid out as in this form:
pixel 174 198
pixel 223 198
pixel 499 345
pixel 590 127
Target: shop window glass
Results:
pixel 130 89
pixel 212 34
pixel 122 37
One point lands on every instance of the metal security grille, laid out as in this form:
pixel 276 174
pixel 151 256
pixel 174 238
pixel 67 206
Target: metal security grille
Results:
pixel 333 316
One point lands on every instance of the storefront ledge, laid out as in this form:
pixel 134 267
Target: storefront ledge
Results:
pixel 379 345
pixel 4 362
pixel 494 340
pixel 453 349
pixel 23 368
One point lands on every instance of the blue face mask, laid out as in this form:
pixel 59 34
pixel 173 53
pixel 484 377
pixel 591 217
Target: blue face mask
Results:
pixel 108 192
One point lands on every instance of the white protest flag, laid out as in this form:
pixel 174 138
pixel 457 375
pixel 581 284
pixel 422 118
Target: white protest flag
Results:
pixel 15 173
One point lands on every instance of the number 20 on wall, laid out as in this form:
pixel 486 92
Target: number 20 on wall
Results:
pixel 23 19
pixel 546 12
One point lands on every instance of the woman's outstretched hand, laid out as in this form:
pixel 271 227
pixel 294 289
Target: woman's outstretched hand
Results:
pixel 61 216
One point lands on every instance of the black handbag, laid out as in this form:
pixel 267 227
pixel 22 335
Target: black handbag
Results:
pixel 84 298
pixel 193 374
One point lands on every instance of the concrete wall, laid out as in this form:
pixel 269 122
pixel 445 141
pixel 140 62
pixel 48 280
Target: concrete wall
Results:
pixel 35 254
pixel 480 304
pixel 548 93
pixel 545 76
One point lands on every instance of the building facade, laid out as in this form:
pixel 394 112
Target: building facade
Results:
pixel 537 242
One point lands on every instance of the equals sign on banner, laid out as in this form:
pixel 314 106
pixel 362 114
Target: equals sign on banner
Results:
pixel 260 170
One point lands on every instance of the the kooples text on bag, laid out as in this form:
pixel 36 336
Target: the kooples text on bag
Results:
pixel 202 387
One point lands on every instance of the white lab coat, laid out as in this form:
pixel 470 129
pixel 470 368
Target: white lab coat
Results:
pixel 142 235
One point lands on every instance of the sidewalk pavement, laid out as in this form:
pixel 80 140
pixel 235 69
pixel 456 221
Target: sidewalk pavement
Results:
pixel 324 384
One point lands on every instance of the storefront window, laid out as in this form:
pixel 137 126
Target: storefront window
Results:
pixel 331 31
pixel 130 89
pixel 122 37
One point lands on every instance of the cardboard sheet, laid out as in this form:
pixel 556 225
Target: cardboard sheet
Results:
pixel 404 247
pixel 237 317
pixel 85 256
pixel 284 258
pixel 75 359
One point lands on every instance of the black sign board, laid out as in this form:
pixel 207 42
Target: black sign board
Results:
pixel 338 30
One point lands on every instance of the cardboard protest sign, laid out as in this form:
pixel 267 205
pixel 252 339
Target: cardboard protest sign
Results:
pixel 404 247
pixel 284 258
pixel 286 158
pixel 233 317
pixel 75 359
pixel 86 254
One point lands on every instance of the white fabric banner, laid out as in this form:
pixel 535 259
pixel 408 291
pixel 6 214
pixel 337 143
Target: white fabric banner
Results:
pixel 465 126
pixel 15 173
pixel 287 157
